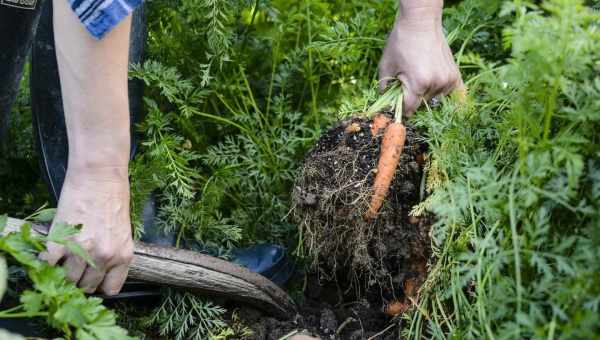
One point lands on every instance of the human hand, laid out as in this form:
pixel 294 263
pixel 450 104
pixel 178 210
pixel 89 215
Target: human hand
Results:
pixel 418 54
pixel 101 205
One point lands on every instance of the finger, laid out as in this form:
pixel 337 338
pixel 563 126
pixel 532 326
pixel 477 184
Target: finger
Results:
pixel 54 252
pixel 92 277
pixel 383 84
pixel 432 92
pixel 454 79
pixel 412 99
pixel 436 87
pixel 115 279
pixel 74 266
pixel 449 88
pixel 410 103
pixel 460 89
pixel 386 73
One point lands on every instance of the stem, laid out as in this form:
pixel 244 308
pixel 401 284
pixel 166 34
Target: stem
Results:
pixel 310 66
pixel 398 108
pixel 550 108
pixel 483 319
pixel 252 100
pixel 392 98
pixel 222 120
pixel 4 315
pixel 515 241
pixel 273 69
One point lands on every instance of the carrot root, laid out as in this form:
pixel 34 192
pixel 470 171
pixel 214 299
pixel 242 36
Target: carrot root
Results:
pixel 380 121
pixel 396 308
pixel 389 157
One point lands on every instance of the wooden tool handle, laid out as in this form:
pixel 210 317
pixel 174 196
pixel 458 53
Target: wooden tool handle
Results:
pixel 205 274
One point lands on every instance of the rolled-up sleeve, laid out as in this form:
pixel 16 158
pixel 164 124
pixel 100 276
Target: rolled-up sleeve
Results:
pixel 100 16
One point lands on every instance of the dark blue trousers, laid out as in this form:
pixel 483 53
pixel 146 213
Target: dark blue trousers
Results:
pixel 28 32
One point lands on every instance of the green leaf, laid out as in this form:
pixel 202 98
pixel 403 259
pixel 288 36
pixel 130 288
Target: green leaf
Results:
pixel 62 233
pixel 103 327
pixel 50 280
pixel 72 312
pixel 3 276
pixel 32 301
pixel 3 222
pixel 82 334
pixel 76 249
pixel 18 247
pixel 44 215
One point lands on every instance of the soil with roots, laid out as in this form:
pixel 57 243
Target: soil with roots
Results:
pixel 332 194
pixel 361 268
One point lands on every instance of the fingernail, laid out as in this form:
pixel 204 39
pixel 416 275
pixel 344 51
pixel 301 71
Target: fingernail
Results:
pixel 112 292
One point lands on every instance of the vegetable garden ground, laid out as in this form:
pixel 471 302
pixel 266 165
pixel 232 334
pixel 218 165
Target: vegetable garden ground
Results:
pixel 494 212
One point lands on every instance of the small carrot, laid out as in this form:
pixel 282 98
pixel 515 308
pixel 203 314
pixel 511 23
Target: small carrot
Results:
pixel 389 157
pixel 380 121
pixel 395 308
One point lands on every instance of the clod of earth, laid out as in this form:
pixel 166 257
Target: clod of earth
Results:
pixel 381 255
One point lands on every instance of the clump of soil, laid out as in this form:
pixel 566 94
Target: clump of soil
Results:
pixel 364 270
pixel 385 255
pixel 323 314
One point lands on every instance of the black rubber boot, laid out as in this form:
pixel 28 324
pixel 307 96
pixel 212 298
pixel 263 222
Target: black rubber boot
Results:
pixel 48 117
pixel 17 29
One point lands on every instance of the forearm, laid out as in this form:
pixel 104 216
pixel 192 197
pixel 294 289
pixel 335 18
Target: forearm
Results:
pixel 93 76
pixel 427 12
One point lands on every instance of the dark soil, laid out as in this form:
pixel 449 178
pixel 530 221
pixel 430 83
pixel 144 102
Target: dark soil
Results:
pixel 322 314
pixel 360 266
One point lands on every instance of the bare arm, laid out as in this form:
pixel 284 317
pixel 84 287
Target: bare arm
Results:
pixel 418 54
pixel 93 77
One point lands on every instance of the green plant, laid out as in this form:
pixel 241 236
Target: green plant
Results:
pixel 52 296
pixel 233 132
pixel 185 316
pixel 514 185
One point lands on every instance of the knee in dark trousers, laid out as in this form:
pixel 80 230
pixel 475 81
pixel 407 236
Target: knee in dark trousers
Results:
pixel 17 30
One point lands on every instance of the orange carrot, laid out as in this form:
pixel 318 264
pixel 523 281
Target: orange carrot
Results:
pixel 395 308
pixel 389 157
pixel 380 121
